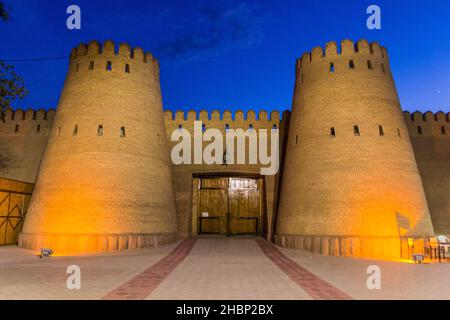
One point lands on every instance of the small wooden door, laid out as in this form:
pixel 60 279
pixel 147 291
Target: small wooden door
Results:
pixel 229 206
pixel 213 206
pixel 244 202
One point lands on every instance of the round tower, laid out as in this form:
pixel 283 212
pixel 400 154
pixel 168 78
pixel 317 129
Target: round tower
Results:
pixel 104 183
pixel 351 184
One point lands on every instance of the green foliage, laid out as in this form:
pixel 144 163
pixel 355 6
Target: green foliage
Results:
pixel 11 86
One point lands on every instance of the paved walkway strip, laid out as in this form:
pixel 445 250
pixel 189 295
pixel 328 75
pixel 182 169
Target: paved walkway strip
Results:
pixel 316 287
pixel 142 285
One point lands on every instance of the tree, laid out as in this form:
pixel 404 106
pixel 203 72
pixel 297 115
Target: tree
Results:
pixel 11 85
pixel 3 12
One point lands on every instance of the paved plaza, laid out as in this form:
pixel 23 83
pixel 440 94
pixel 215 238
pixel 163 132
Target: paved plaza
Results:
pixel 216 268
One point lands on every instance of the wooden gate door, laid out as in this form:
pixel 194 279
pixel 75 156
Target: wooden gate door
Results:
pixel 213 206
pixel 12 213
pixel 244 202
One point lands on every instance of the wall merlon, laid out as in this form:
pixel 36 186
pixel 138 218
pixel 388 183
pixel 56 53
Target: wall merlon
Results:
pixel 251 115
pixel 331 49
pixel 347 47
pixel 192 115
pixel 94 48
pixel 215 115
pixel 125 49
pixel 375 49
pixel 362 46
pixel 227 115
pixel 317 54
pixel 263 116
pixel 275 116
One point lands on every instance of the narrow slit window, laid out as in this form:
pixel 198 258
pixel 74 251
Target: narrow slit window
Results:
pixel 332 132
pixel 369 65
pixel 78 67
pixel 58 132
pixel 100 130
pixel 127 68
pixel 122 132
pixel 203 127
pixel 108 66
pixel 302 78
pixel 331 67
pixel 443 131
pixel 381 131
pixel 382 68
pixel 91 65
pixel 75 130
pixel 296 139
pixel 38 128
pixel 351 64
pixel 399 133
pixel 419 130
pixel 16 129
pixel 356 130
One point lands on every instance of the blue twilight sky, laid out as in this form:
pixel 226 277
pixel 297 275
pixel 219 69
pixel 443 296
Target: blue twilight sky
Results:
pixel 232 54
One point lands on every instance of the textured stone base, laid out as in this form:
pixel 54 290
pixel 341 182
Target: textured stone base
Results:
pixel 65 244
pixel 364 247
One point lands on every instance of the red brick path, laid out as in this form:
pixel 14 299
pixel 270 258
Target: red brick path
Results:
pixel 316 287
pixel 142 285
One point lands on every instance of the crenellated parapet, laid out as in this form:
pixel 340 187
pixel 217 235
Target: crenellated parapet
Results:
pixel 428 124
pixel 222 120
pixel 111 57
pixel 27 122
pixel 347 56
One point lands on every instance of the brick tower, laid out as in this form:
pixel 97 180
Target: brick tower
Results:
pixel 351 184
pixel 104 183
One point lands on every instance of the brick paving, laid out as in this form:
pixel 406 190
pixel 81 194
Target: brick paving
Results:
pixel 315 286
pixel 143 284
pixel 216 268
pixel 229 269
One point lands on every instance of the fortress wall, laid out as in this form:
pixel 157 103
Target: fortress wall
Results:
pixel 350 175
pixel 430 136
pixel 183 174
pixel 23 136
pixel 101 188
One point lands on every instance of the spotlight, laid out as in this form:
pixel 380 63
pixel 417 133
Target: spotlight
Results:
pixel 417 258
pixel 46 253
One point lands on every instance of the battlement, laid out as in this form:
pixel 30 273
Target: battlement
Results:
pixel 94 48
pixel 27 122
pixel 226 115
pixel 30 114
pixel 428 123
pixel 110 57
pixel 347 49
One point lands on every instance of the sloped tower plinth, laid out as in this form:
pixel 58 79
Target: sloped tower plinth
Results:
pixel 351 184
pixel 104 183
